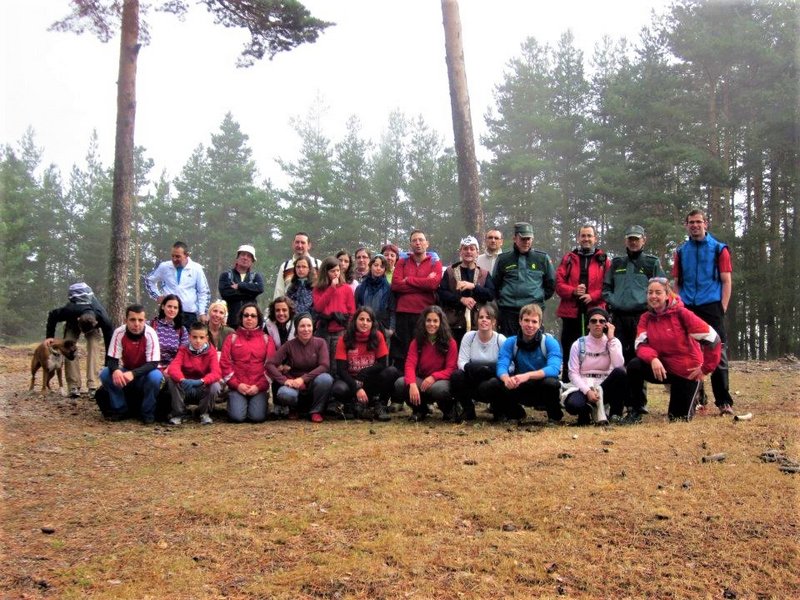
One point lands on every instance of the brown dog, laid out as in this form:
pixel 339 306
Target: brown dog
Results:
pixel 51 360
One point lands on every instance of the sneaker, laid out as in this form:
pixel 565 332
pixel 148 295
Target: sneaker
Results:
pixel 633 417
pixel 616 419
pixel 74 392
pixel 643 411
pixel 725 409
pixel 396 407
pixel 92 392
pixel 177 420
pixel 316 418
pixel 205 419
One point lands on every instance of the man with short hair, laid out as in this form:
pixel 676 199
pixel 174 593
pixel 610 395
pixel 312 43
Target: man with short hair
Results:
pixel 301 246
pixel 240 285
pixel 414 283
pixel 464 287
pixel 528 366
pixel 521 276
pixel 131 374
pixel 83 314
pixel 579 284
pixel 361 268
pixel 493 242
pixel 186 279
pixel 625 287
pixel 703 277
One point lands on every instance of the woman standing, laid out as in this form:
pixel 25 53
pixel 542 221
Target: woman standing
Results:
pixel 375 291
pixel 475 378
pixel 432 358
pixel 674 346
pixel 306 362
pixel 392 253
pixel 169 328
pixel 364 379
pixel 300 289
pixel 347 267
pixel 217 328
pixel 244 355
pixel 333 305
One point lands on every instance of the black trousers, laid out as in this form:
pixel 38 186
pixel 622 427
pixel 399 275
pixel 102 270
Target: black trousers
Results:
pixel 625 331
pixel 508 321
pixel 378 383
pixel 405 325
pixel 540 394
pixel 571 330
pixel 680 392
pixel 475 382
pixel 713 315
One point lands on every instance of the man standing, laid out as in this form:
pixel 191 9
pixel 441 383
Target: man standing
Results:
pixel 579 284
pixel 703 277
pixel 240 285
pixel 414 283
pixel 186 279
pixel 521 276
pixel 131 375
pixel 83 314
pixel 494 245
pixel 301 246
pixel 464 287
pixel 625 287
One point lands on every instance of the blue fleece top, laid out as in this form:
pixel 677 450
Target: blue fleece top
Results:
pixel 530 360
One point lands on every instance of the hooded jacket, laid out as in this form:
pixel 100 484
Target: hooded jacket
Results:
pixel 244 355
pixel 678 338
pixel 568 277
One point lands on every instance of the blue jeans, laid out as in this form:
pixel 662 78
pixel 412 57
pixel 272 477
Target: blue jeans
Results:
pixel 146 387
pixel 320 389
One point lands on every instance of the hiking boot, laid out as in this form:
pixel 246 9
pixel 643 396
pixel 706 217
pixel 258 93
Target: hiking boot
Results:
pixel 725 409
pixel 205 419
pixel 92 392
pixel 633 417
pixel 468 411
pixel 317 418
pixel 175 421
pixel 74 392
pixel 396 407
pixel 616 420
pixel 382 414
pixel 148 420
pixel 417 417
pixel 113 417
pixel 643 411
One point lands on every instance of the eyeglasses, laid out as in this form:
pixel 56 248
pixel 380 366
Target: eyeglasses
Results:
pixel 597 321
pixel 249 315
pixel 661 280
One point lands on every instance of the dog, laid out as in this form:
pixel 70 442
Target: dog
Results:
pixel 51 360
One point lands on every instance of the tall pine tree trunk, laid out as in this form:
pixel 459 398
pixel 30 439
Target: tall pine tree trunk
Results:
pixel 468 184
pixel 119 256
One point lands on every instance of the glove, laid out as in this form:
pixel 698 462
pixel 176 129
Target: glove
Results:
pixel 189 384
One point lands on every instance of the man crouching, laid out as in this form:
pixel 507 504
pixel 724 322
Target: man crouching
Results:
pixel 131 375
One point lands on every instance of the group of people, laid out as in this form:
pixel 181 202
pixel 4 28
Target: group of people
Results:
pixel 369 335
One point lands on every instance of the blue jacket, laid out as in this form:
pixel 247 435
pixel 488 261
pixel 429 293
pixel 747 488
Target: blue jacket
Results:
pixel 527 360
pixel 698 275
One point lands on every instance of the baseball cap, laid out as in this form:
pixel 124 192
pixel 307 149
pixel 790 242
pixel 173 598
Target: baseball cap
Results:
pixel 634 231
pixel 523 229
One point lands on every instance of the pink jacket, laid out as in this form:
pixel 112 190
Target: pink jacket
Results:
pixel 674 337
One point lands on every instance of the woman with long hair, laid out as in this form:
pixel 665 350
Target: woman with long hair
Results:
pixel 375 291
pixel 301 287
pixel 674 346
pixel 169 328
pixel 334 304
pixel 364 379
pixel 347 265
pixel 432 358
pixel 244 356
pixel 476 376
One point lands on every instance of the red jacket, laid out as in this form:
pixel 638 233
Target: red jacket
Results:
pixel 334 299
pixel 568 277
pixel 413 285
pixel 674 337
pixel 244 354
pixel 188 365
pixel 430 362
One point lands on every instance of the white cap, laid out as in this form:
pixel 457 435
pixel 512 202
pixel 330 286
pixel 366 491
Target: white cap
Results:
pixel 469 241
pixel 249 249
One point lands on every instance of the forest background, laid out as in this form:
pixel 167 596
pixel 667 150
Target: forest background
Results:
pixel 701 111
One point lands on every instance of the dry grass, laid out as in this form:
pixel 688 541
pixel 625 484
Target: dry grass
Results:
pixel 361 510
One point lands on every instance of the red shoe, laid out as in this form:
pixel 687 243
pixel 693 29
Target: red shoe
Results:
pixel 316 418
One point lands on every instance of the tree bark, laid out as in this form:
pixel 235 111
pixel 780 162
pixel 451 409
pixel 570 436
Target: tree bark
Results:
pixel 119 256
pixel 468 183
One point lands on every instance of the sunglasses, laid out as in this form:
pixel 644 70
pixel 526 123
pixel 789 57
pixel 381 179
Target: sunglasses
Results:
pixel 661 280
pixel 596 321
pixel 249 315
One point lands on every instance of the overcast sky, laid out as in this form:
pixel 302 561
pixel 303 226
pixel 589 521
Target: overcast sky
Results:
pixel 381 55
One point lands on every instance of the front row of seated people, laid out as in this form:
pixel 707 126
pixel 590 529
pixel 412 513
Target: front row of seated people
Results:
pixel 673 346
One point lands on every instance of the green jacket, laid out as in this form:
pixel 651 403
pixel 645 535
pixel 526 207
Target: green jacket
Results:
pixel 521 279
pixel 625 283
